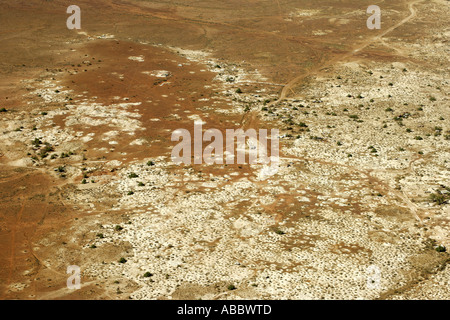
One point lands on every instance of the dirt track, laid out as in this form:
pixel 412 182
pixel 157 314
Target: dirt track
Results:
pixel 114 112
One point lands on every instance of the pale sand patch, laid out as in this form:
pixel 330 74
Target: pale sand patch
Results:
pixel 139 58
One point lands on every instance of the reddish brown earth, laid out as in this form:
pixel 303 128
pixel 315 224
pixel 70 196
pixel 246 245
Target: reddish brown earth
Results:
pixel 36 44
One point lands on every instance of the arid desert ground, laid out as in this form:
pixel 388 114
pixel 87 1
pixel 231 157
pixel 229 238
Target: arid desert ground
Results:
pixel 359 207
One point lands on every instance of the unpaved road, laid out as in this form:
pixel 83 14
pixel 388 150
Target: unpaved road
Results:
pixel 288 87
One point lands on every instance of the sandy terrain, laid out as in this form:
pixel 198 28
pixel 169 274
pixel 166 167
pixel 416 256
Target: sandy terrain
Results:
pixel 86 176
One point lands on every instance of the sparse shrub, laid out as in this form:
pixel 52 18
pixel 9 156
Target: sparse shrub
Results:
pixel 148 275
pixel 438 198
pixel 373 150
pixel 231 287
pixel 132 175
pixel 122 260
pixel 118 228
pixel 100 235
pixel 438 131
pixel 48 148
pixel 441 249
pixel 130 193
pixel 238 90
pixel 3 110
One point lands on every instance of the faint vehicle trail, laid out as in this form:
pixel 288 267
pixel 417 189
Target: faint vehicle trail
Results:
pixel 288 87
pixel 385 186
pixel 12 254
pixel 252 116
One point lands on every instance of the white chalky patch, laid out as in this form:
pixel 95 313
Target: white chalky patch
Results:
pixel 139 58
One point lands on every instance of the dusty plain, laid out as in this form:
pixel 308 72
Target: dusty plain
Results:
pixel 86 176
